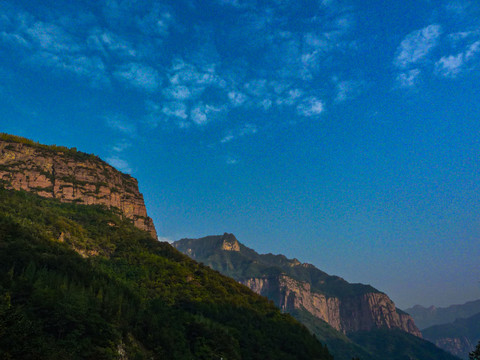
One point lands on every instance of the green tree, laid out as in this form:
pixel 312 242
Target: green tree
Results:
pixel 475 354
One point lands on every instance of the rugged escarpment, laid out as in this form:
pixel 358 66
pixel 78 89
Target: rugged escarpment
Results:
pixel 70 176
pixel 362 312
pixel 296 286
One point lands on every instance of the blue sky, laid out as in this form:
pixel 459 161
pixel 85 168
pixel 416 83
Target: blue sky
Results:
pixel 342 133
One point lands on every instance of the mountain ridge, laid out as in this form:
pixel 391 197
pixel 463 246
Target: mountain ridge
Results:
pixel 294 285
pixel 358 331
pixel 458 337
pixel 432 315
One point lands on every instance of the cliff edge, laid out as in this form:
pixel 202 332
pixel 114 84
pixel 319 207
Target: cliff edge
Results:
pixel 70 176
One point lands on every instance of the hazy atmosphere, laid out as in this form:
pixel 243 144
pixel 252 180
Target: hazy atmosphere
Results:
pixel 341 133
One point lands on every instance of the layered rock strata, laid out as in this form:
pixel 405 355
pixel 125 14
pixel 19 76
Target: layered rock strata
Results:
pixel 71 176
pixel 355 313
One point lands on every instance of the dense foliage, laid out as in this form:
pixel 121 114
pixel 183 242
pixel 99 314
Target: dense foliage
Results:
pixel 338 343
pixel 78 282
pixel 399 345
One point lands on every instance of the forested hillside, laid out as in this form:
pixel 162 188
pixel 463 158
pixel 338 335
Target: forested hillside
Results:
pixel 80 282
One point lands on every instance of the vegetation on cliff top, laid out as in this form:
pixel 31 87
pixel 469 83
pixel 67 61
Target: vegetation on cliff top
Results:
pixel 137 296
pixel 72 153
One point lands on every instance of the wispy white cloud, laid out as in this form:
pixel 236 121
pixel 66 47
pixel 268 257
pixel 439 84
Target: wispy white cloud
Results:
pixel 236 98
pixel 139 75
pixel 459 8
pixel 450 66
pixel 177 92
pixel 289 97
pixel 463 35
pixel 119 164
pixel 453 65
pixel 200 114
pixel 52 38
pixel 256 87
pixel 192 92
pixel 175 109
pixel 150 18
pixel 408 79
pixel 121 123
pixel 347 89
pixel 91 68
pixel 417 45
pixel 48 44
pixel 232 160
pixel 121 146
pixel 14 39
pixel 107 42
pixel 311 106
pixel 157 21
pixel 287 49
pixel 227 138
pixel 187 74
pixel 472 51
pixel 247 129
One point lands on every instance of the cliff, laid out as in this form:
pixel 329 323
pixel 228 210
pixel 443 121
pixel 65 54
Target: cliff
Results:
pixel 296 286
pixel 362 312
pixel 70 176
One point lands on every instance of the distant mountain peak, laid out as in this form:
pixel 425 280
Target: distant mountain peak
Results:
pixel 230 242
pixel 295 262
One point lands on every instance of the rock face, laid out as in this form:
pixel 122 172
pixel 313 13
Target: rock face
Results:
pixel 70 176
pixel 230 243
pixel 460 346
pixel 349 314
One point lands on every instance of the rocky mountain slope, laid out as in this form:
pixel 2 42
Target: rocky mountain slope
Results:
pixel 293 285
pixel 458 337
pixel 354 320
pixel 70 176
pixel 425 317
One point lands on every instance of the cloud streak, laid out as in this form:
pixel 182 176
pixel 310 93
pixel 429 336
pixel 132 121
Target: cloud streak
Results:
pixel 119 164
pixel 140 76
pixel 311 107
pixel 417 45
pixel 452 66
